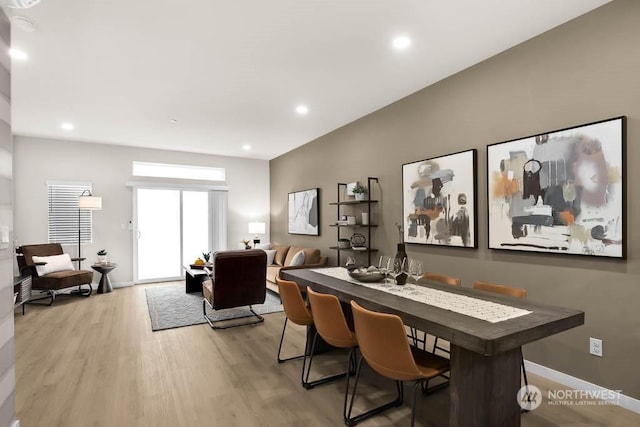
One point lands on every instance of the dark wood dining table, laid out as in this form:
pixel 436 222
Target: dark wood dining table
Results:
pixel 485 357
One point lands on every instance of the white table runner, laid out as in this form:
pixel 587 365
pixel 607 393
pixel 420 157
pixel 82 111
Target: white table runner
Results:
pixel 477 308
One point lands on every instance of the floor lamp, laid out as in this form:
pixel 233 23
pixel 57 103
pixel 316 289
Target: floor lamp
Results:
pixel 88 202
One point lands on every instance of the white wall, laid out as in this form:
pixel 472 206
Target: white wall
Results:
pixel 108 168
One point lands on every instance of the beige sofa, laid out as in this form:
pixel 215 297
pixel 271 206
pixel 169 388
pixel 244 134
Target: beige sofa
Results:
pixel 282 261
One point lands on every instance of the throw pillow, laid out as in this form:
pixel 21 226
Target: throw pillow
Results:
pixel 263 246
pixel 298 259
pixel 271 255
pixel 53 263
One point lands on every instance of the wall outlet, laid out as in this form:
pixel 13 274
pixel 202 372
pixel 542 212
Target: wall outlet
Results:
pixel 595 346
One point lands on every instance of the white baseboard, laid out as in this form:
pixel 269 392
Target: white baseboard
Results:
pixel 114 285
pixel 625 402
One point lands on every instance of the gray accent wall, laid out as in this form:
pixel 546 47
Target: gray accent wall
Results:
pixel 7 344
pixel 583 71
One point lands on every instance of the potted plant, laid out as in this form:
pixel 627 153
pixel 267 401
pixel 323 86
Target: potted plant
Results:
pixel 360 191
pixel 102 256
pixel 246 243
pixel 206 256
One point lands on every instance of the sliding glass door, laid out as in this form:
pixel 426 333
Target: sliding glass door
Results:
pixel 173 227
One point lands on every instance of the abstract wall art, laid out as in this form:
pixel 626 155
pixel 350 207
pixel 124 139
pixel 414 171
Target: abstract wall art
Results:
pixel 303 212
pixel 560 191
pixel 439 200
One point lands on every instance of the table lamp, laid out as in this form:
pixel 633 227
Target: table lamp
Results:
pixel 256 228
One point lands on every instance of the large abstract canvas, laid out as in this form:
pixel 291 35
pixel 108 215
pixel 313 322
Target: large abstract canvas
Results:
pixel 559 192
pixel 439 200
pixel 303 212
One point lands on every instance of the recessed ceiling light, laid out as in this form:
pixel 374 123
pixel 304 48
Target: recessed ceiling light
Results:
pixel 302 109
pixel 17 54
pixel 246 147
pixel 174 121
pixel 67 126
pixel 401 42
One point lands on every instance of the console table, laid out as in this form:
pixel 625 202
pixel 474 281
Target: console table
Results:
pixel 485 357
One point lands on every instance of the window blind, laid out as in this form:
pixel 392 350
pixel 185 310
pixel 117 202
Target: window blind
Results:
pixel 63 214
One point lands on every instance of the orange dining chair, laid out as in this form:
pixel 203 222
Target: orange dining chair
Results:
pixel 383 344
pixel 510 292
pixel 447 280
pixel 331 326
pixel 298 312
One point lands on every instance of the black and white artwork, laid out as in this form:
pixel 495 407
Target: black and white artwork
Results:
pixel 304 217
pixel 439 200
pixel 559 192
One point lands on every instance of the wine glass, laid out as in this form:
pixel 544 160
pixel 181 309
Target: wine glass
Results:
pixel 398 267
pixel 383 266
pixel 416 269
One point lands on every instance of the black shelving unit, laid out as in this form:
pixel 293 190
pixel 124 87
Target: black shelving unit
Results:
pixel 366 205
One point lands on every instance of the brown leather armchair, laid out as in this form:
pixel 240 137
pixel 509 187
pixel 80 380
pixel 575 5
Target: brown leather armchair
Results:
pixel 52 282
pixel 238 279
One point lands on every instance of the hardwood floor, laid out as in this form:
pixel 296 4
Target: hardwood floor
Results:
pixel 95 362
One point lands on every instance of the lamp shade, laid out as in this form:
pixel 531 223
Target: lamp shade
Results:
pixel 257 227
pixel 90 203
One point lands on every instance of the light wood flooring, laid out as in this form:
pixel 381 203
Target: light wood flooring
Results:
pixel 95 362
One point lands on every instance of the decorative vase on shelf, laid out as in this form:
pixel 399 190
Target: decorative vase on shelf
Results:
pixel 360 196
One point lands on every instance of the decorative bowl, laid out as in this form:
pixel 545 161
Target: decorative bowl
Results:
pixel 369 276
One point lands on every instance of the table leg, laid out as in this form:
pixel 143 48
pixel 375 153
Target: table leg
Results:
pixel 484 388
pixel 105 284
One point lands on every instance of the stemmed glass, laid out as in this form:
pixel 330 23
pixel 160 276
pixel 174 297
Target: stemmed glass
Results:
pixel 416 269
pixel 397 267
pixel 383 266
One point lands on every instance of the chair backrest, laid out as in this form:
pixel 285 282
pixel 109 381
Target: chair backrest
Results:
pixel 383 343
pixel 294 307
pixel 27 252
pixel 239 278
pixel 448 280
pixel 500 289
pixel 329 320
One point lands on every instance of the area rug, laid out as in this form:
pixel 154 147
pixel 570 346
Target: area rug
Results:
pixel 170 307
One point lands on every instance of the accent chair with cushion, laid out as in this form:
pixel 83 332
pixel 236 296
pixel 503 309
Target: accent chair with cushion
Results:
pixel 238 279
pixel 52 270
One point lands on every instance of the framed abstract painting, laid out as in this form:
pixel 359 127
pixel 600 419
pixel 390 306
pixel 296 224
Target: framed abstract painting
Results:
pixel 560 192
pixel 303 214
pixel 439 200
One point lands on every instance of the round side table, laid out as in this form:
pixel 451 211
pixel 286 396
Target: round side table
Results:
pixel 105 284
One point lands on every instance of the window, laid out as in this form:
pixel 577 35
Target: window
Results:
pixel 162 170
pixel 63 214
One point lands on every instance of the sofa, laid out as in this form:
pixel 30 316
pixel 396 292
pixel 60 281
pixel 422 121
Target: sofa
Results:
pixel 285 259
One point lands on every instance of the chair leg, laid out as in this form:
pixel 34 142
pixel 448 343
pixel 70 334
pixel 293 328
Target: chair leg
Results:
pixel 311 384
pixel 83 292
pixel 375 411
pixel 219 324
pixel 280 360
pixel 524 371
pixel 351 365
pixel 50 293
pixel 413 402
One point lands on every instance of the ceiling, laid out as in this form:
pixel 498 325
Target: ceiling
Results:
pixel 232 72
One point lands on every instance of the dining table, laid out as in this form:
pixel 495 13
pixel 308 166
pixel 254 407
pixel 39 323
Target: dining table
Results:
pixel 486 332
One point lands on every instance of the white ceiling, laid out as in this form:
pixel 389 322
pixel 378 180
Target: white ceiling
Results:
pixel 232 72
